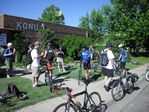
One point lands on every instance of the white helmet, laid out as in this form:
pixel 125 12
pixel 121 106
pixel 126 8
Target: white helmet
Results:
pixel 120 45
pixel 9 44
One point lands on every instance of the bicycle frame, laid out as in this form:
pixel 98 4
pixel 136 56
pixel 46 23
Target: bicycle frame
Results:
pixel 71 102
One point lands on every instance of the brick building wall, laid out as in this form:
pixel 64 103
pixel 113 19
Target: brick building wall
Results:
pixel 29 28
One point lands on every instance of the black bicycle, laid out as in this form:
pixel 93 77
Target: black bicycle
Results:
pixel 80 72
pixel 91 103
pixel 124 84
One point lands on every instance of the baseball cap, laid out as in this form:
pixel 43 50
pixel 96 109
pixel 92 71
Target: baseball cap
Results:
pixel 37 43
pixel 9 44
pixel 120 45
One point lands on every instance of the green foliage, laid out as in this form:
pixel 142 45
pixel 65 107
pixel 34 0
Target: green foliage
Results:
pixel 46 36
pixel 19 44
pixel 73 43
pixel 130 17
pixel 85 22
pixel 51 14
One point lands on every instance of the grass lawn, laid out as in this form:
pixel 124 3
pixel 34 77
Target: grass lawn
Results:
pixel 41 93
pixel 35 94
pixel 134 62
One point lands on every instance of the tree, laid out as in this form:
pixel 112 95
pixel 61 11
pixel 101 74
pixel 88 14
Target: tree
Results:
pixel 93 22
pixel 46 37
pixel 19 44
pixel 130 17
pixel 85 22
pixel 52 14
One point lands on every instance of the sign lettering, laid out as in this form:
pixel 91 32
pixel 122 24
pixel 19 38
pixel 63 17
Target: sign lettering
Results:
pixel 27 26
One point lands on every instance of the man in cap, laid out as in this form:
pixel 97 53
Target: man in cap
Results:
pixel 35 63
pixel 9 54
pixel 108 69
pixel 122 58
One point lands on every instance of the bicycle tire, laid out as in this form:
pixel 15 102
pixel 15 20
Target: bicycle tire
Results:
pixel 117 87
pixel 63 106
pixel 147 75
pixel 94 102
pixel 47 79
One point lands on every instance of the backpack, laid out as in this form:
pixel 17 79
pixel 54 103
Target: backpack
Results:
pixel 104 58
pixel 50 54
pixel 13 89
pixel 29 58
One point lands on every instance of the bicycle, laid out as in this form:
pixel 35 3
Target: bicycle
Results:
pixel 147 73
pixel 91 103
pixel 96 67
pixel 80 72
pixel 119 87
pixel 48 79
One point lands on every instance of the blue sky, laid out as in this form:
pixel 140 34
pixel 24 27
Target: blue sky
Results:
pixel 73 10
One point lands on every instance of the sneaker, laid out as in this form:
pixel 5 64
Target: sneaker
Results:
pixel 8 76
pixel 34 85
pixel 106 88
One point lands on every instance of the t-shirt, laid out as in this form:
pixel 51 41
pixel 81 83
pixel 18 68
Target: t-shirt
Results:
pixel 7 51
pixel 124 55
pixel 110 56
pixel 60 54
pixel 85 55
pixel 34 55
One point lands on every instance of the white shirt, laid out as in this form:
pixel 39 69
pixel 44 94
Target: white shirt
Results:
pixel 110 57
pixel 34 55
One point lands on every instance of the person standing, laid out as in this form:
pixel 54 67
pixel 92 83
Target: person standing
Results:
pixel 60 59
pixel 36 63
pixel 49 55
pixel 28 56
pixel 108 69
pixel 9 55
pixel 122 58
pixel 86 62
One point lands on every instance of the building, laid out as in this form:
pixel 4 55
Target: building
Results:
pixel 29 28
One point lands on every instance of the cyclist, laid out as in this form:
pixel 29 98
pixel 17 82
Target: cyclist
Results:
pixel 86 62
pixel 122 58
pixel 49 55
pixel 108 69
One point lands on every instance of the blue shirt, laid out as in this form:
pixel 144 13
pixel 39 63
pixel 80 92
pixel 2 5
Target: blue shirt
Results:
pixel 85 55
pixel 7 51
pixel 124 55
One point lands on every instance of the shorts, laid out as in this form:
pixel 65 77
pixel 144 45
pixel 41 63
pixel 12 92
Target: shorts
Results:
pixel 49 65
pixel 122 65
pixel 59 60
pixel 86 65
pixel 107 72
pixel 35 71
pixel 9 65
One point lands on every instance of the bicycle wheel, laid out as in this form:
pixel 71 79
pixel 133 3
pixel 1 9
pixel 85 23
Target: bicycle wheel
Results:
pixel 147 76
pixel 94 102
pixel 47 78
pixel 62 108
pixel 117 91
